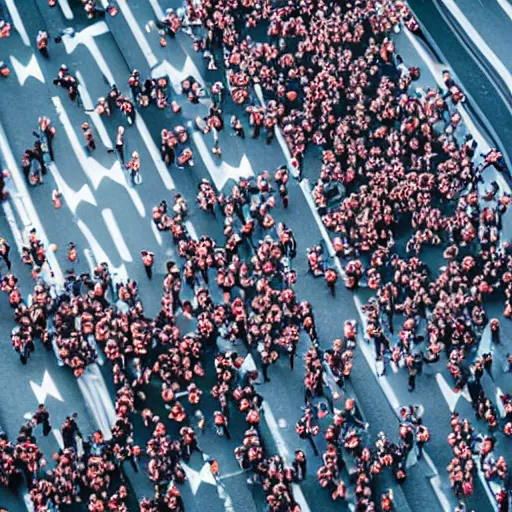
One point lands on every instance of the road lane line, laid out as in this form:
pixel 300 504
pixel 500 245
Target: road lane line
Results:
pixel 19 182
pixel 115 233
pixel 18 23
pixel 15 230
pixel 58 437
pixel 18 202
pixel 284 453
pixel 159 12
pixel 191 230
pixel 66 10
pixel 154 153
pixel 137 33
pixel 479 42
pixel 96 118
pixel 505 5
pixel 157 233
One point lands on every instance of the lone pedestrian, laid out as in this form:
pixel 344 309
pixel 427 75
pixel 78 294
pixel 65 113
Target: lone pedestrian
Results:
pixel 42 417
pixel 120 144
pixel 148 259
pixel 134 167
pixel 89 137
pixel 5 249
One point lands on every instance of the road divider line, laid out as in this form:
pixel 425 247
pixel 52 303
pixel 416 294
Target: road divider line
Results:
pixel 284 453
pixel 66 10
pixel 157 233
pixel 479 42
pixel 58 437
pixel 115 233
pixel 96 118
pixel 505 5
pixel 15 230
pixel 159 12
pixel 18 23
pixel 137 33
pixel 19 182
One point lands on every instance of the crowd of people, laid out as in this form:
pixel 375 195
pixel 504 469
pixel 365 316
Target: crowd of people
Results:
pixel 332 78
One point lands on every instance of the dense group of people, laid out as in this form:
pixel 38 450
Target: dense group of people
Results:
pixel 331 78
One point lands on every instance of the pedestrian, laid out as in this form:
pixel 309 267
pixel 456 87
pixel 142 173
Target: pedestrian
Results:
pixel 72 253
pixel 5 249
pixel 120 144
pixel 42 417
pixel 148 259
pixel 134 167
pixel 412 378
pixel 300 466
pixel 70 432
pixel 89 137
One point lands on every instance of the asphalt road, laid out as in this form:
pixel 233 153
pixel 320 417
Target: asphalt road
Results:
pixel 103 213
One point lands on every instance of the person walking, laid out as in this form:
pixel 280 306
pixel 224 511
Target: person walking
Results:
pixel 42 417
pixel 134 167
pixel 148 259
pixel 70 432
pixel 89 137
pixel 120 144
pixel 5 249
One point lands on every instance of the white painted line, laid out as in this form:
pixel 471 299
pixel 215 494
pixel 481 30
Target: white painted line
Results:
pixel 47 388
pixel 86 37
pixel 96 118
pixel 66 10
pixel 28 502
pixel 505 5
pixel 235 473
pixel 18 202
pixel 177 75
pixel 438 491
pixel 154 153
pixel 58 437
pixel 479 42
pixel 137 33
pixel 499 403
pixel 370 359
pixel 191 230
pixel 19 182
pixel 18 23
pixel 91 167
pixel 157 233
pixel 99 254
pixel 11 220
pixel 284 453
pixel 31 69
pixel 94 406
pixel 196 478
pixel 90 260
pixel 72 198
pixel 449 395
pixel 221 172
pixel 159 12
pixel 115 233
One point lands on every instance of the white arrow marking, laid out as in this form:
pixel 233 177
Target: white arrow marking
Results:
pixel 196 478
pixel 162 169
pixel 220 174
pixel 449 395
pixel 115 232
pixel 99 254
pixel 176 75
pixel 86 37
pixel 96 118
pixel 18 24
pixel 72 198
pixel 47 387
pixel 66 10
pixel 137 33
pixel 493 59
pixel 31 69
pixel 91 167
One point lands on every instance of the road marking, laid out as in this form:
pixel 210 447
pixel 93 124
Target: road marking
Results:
pixel 47 388
pixel 18 23
pixel 19 182
pixel 96 118
pixel 66 10
pixel 504 4
pixel 191 230
pixel 284 453
pixel 117 236
pixel 479 42
pixel 436 483
pixel 222 172
pixel 58 437
pixel 499 403
pixel 159 12
pixel 31 69
pixel 11 220
pixel 449 395
pixel 28 502
pixel 72 198
pixel 18 202
pixel 86 37
pixel 157 233
pixel 176 75
pixel 162 169
pixel 137 33
pixel 196 478
pixel 91 167
pixel 235 473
